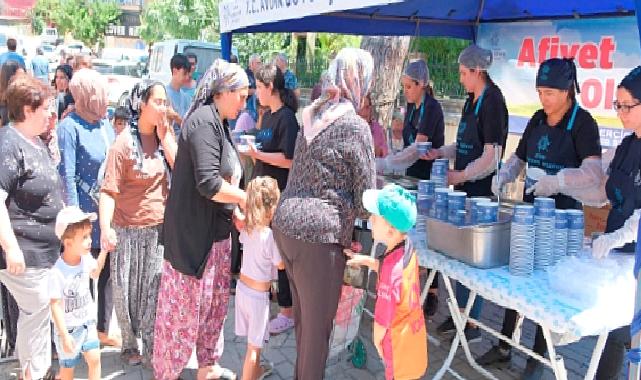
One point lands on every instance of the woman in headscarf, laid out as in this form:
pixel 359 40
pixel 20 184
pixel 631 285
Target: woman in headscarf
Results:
pixel 84 137
pixel 194 289
pixel 64 73
pixel 333 164
pixel 132 199
pixel 8 71
pixel 562 141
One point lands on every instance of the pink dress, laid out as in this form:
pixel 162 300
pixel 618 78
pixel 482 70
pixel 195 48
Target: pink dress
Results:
pixel 378 136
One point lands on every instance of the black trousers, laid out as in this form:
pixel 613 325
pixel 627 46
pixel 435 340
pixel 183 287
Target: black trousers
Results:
pixel 315 273
pixel 613 354
pixel 105 301
pixel 509 324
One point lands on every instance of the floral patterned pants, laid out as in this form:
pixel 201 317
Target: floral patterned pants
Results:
pixel 190 312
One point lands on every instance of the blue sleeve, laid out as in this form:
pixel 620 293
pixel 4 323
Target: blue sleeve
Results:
pixel 67 139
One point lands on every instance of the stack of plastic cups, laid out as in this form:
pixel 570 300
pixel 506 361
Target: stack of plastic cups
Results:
pixel 575 232
pixel 440 203
pixel 544 221
pixel 487 212
pixel 472 207
pixel 440 168
pixel 522 241
pixel 425 197
pixel 455 203
pixel 560 235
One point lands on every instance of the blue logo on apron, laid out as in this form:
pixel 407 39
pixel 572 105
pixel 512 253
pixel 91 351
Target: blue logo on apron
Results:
pixel 544 143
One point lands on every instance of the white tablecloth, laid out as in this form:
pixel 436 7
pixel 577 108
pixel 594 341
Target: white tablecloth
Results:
pixel 532 296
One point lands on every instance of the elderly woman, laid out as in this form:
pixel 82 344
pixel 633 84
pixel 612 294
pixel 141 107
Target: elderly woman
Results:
pixel 194 289
pixel 315 218
pixel 132 200
pixel 30 198
pixel 378 134
pixel 84 137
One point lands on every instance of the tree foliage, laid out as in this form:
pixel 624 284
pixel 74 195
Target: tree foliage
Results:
pixel 188 19
pixel 86 20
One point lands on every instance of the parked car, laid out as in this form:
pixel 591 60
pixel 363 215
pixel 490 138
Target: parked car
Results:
pixel 124 54
pixel 49 36
pixel 121 75
pixel 158 66
pixel 50 53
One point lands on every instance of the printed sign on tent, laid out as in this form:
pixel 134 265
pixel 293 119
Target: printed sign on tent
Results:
pixel 605 50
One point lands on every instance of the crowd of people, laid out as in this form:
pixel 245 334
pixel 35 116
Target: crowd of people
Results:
pixel 170 215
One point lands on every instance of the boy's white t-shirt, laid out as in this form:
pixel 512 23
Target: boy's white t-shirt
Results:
pixel 260 254
pixel 71 284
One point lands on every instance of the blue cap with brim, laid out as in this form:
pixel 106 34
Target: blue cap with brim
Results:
pixel 394 204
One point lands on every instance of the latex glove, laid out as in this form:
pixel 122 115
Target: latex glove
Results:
pixel 626 234
pixel 602 246
pixel 545 186
pixel 497 186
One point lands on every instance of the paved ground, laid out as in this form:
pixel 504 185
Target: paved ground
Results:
pixel 282 352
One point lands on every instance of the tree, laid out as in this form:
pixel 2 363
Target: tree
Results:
pixel 188 19
pixel 388 53
pixel 86 20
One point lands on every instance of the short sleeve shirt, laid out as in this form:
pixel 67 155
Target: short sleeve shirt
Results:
pixel 70 283
pixel 31 188
pixel 291 82
pixel 180 102
pixel 260 255
pixel 284 127
pixel 140 192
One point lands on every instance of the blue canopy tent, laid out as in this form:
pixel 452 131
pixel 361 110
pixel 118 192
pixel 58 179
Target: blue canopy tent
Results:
pixel 453 18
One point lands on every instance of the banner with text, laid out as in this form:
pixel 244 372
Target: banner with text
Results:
pixel 605 50
pixel 236 14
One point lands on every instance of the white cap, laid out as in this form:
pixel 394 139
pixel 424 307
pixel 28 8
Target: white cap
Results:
pixel 70 215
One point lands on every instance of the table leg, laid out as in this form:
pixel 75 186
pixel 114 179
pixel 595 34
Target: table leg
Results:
pixel 596 356
pixel 454 311
pixel 556 361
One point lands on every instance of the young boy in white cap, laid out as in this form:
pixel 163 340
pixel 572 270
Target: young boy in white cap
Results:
pixel 399 325
pixel 72 307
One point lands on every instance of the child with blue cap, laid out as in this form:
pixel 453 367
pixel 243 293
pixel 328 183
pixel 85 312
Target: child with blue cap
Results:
pixel 399 333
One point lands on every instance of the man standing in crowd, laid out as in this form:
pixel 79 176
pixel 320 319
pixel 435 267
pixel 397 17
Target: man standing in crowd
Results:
pixel 253 65
pixel 178 99
pixel 40 66
pixel 291 81
pixel 11 54
pixel 190 89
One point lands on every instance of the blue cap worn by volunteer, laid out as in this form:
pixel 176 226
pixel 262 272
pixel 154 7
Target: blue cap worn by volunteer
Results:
pixel 394 204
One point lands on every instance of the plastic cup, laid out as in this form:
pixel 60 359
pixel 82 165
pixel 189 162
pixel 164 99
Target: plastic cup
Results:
pixel 423 147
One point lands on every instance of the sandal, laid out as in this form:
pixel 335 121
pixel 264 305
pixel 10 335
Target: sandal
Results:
pixel 267 369
pixel 223 373
pixel 280 324
pixel 131 356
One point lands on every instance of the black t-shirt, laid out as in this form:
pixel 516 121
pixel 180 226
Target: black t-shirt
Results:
pixel 585 134
pixel 284 130
pixel 33 190
pixel 492 116
pixel 431 124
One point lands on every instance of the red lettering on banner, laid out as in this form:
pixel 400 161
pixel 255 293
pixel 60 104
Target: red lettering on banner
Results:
pixel 591 86
pixel 589 55
pixel 609 93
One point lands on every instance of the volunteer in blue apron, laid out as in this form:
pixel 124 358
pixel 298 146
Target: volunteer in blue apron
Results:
pixel 480 142
pixel 423 122
pixel 623 190
pixel 561 141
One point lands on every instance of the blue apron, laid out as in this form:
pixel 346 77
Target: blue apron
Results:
pixel 421 168
pixel 469 147
pixel 552 149
pixel 623 187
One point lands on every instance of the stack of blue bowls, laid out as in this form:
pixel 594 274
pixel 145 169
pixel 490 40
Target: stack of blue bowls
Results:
pixel 472 207
pixel 544 222
pixel 440 203
pixel 440 168
pixel 455 203
pixel 487 212
pixel 425 197
pixel 522 241
pixel 575 232
pixel 560 235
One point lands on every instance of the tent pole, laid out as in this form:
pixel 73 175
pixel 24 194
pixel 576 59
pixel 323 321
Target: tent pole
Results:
pixel 633 370
pixel 225 45
pixel 637 12
pixel 477 22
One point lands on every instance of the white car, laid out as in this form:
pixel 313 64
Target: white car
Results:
pixel 124 54
pixel 121 75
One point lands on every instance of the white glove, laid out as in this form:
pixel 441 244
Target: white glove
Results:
pixel 496 187
pixel 602 246
pixel 546 185
pixel 381 165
